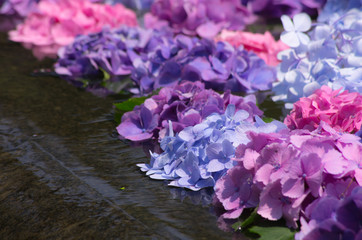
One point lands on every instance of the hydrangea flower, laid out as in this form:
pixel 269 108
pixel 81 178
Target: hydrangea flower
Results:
pixel 285 171
pixel 263 45
pixel 334 218
pixel 274 9
pixel 19 8
pixel 341 110
pixel 219 65
pixel 186 104
pixel 335 8
pixel 199 155
pixel 204 18
pixel 56 23
pixel 329 55
pixel 109 52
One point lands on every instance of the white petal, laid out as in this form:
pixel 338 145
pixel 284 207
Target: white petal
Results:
pixel 302 22
pixel 303 38
pixel 290 38
pixel 287 23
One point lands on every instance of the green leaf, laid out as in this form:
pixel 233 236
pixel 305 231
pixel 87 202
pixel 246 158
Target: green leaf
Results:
pixel 268 119
pixel 106 75
pixel 275 233
pixel 129 104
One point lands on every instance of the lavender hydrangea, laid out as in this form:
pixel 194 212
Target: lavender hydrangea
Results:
pixel 20 8
pixel 204 18
pixel 186 104
pixel 199 155
pixel 283 173
pixel 273 9
pixel 330 55
pixel 104 61
pixel 219 65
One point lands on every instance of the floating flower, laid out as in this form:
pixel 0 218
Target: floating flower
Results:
pixel 330 57
pixel 19 8
pixel 263 45
pixel 219 65
pixel 186 104
pixel 56 23
pixel 199 155
pixel 334 218
pixel 341 110
pixel 90 59
pixel 293 35
pixel 287 170
pixel 204 18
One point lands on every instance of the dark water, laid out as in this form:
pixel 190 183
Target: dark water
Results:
pixel 64 175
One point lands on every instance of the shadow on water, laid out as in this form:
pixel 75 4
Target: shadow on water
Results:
pixel 63 174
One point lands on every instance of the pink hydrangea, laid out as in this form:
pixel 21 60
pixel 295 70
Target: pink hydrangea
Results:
pixel 341 110
pixel 263 45
pixel 56 23
pixel 283 172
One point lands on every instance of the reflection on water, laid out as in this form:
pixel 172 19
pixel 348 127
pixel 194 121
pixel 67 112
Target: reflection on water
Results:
pixel 64 174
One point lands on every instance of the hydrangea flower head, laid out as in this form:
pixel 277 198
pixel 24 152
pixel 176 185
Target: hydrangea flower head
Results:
pixel 341 110
pixel 186 104
pixel 110 51
pixel 287 170
pixel 329 55
pixel 204 18
pixel 263 45
pixel 199 155
pixel 56 23
pixel 219 65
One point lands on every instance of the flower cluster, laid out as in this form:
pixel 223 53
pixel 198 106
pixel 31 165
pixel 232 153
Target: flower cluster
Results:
pixel 19 8
pixel 219 65
pixel 90 59
pixel 283 173
pixel 204 18
pixel 342 111
pixel 330 55
pixel 274 9
pixel 263 45
pixel 199 155
pixel 186 104
pixel 56 23
pixel 334 217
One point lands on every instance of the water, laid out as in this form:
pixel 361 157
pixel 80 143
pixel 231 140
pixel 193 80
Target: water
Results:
pixel 63 173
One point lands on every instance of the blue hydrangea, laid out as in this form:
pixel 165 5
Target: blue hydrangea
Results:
pixel 330 54
pixel 199 155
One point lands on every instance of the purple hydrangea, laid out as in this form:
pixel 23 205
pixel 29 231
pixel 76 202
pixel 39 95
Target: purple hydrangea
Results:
pixel 199 155
pixel 274 9
pixel 219 65
pixel 205 18
pixel 331 217
pixel 283 172
pixel 19 8
pixel 186 104
pixel 102 62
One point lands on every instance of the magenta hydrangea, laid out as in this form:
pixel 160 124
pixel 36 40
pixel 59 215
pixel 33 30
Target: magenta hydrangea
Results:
pixel 283 172
pixel 186 104
pixel 204 18
pixel 341 110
